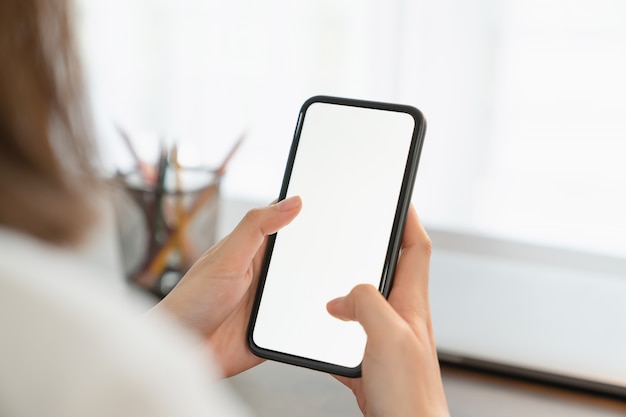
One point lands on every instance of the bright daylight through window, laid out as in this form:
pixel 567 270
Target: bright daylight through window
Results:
pixel 525 100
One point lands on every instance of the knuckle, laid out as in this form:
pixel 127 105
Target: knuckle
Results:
pixel 364 290
pixel 252 216
pixel 426 245
pixel 250 223
pixel 255 221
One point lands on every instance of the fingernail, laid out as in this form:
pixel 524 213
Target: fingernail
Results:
pixel 288 204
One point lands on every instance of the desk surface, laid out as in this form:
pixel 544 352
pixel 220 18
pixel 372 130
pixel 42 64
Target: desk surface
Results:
pixel 277 390
pixel 473 393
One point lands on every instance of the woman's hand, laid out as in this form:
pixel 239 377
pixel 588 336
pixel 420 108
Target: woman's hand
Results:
pixel 215 296
pixel 400 370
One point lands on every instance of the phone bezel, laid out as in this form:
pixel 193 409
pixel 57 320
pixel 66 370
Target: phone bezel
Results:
pixel 395 240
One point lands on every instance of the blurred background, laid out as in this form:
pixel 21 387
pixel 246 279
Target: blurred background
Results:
pixel 526 100
pixel 524 164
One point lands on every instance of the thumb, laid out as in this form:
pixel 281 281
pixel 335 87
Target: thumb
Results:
pixel 366 305
pixel 245 240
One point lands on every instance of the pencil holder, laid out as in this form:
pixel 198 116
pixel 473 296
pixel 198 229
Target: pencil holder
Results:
pixel 165 223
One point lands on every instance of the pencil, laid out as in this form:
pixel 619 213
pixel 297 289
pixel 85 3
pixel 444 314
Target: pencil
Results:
pixel 159 262
pixel 222 168
pixel 159 227
pixel 184 244
pixel 177 237
pixel 146 171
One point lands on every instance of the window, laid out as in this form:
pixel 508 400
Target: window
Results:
pixel 525 99
pixel 202 72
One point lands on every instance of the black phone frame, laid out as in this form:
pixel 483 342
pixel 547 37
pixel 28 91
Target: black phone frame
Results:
pixel 395 240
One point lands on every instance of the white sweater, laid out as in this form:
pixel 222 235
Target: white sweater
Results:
pixel 72 345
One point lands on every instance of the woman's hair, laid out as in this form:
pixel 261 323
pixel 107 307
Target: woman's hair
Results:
pixel 46 149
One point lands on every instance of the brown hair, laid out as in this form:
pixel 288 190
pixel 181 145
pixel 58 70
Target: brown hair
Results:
pixel 45 151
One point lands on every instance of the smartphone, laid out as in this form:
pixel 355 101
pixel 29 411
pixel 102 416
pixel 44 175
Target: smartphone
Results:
pixel 353 163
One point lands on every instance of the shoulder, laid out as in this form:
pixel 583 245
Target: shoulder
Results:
pixel 72 345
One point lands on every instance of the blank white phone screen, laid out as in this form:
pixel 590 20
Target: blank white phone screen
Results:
pixel 348 170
